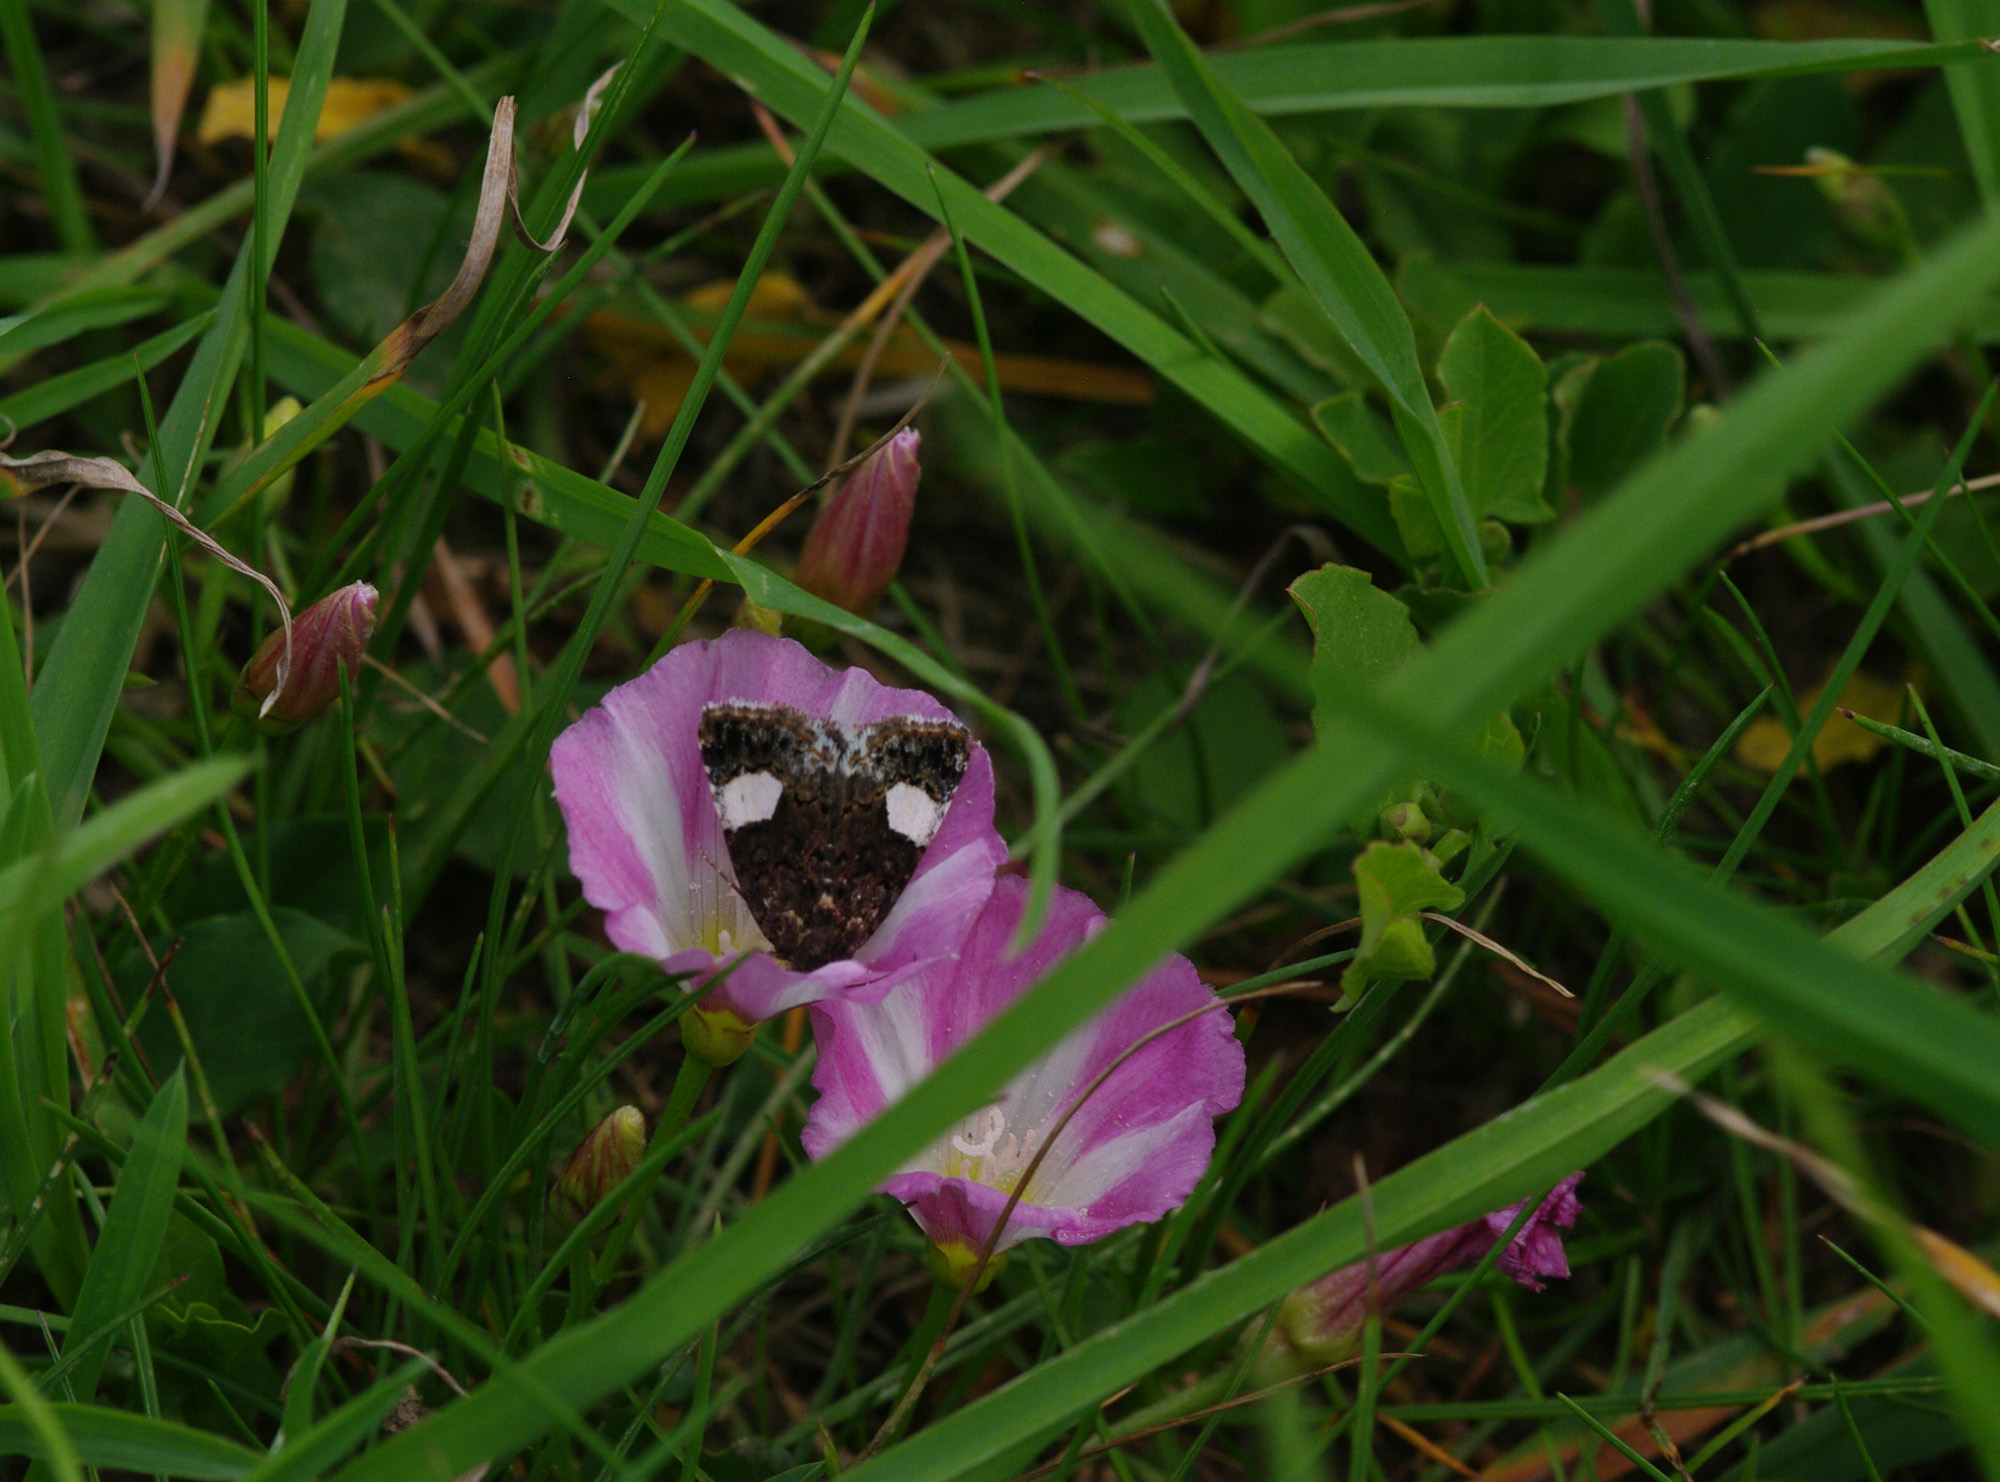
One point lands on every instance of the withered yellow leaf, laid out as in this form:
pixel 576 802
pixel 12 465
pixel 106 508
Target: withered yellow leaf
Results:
pixel 231 110
pixel 1763 745
pixel 782 326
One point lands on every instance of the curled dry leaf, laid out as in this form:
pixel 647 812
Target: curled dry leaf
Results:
pixel 386 364
pixel 19 476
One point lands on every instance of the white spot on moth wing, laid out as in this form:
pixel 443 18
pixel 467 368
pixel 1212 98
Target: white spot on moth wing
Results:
pixel 750 798
pixel 914 813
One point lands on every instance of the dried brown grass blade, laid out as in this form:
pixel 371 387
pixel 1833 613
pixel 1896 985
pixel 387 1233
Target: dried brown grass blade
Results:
pixel 20 476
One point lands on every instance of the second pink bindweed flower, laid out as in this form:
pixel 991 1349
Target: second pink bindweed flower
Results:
pixel 1132 1147
pixel 1322 1323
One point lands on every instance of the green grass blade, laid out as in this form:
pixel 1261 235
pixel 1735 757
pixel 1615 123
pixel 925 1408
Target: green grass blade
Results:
pixel 133 1443
pixel 59 394
pixel 61 191
pixel 1419 72
pixel 1975 87
pixel 1333 263
pixel 68 317
pixel 135 1228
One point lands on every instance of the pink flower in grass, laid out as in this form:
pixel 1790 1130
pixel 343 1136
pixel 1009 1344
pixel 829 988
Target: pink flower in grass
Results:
pixel 647 843
pixel 1322 1323
pixel 1134 1150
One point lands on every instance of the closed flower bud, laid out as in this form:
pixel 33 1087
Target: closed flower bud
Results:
pixel 1862 201
pixel 856 546
pixel 1322 1323
pixel 601 1162
pixel 333 632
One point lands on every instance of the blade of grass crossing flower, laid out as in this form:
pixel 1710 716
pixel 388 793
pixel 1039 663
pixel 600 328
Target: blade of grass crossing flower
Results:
pixel 1332 262
pixel 1610 562
pixel 79 685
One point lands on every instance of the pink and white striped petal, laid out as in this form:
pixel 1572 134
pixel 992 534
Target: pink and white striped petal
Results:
pixel 1134 1147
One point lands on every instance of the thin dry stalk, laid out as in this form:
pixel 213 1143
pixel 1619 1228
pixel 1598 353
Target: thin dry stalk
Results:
pixel 44 470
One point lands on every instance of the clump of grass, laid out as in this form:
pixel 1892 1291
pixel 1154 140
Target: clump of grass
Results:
pixel 338 1137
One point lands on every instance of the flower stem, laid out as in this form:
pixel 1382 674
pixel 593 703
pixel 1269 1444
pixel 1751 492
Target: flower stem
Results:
pixel 590 1283
pixel 926 1346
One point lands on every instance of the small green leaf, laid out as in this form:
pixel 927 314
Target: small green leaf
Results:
pixel 1357 430
pixel 1618 412
pixel 1415 520
pixel 1361 636
pixel 1502 430
pixel 1396 882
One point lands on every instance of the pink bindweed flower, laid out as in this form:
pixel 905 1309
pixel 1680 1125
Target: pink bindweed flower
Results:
pixel 1322 1323
pixel 1134 1150
pixel 333 632
pixel 647 843
pixel 856 546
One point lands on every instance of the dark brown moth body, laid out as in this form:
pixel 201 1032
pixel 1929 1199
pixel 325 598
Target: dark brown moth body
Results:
pixel 825 825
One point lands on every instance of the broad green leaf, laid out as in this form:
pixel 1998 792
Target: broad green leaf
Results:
pixel 133 1443
pixel 135 1228
pixel 1503 425
pixel 1361 636
pixel 1582 584
pixel 1332 262
pixel 1616 412
pixel 251 1039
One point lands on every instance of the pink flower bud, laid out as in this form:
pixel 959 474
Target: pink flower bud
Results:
pixel 1322 1323
pixel 856 546
pixel 332 632
pixel 602 1161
